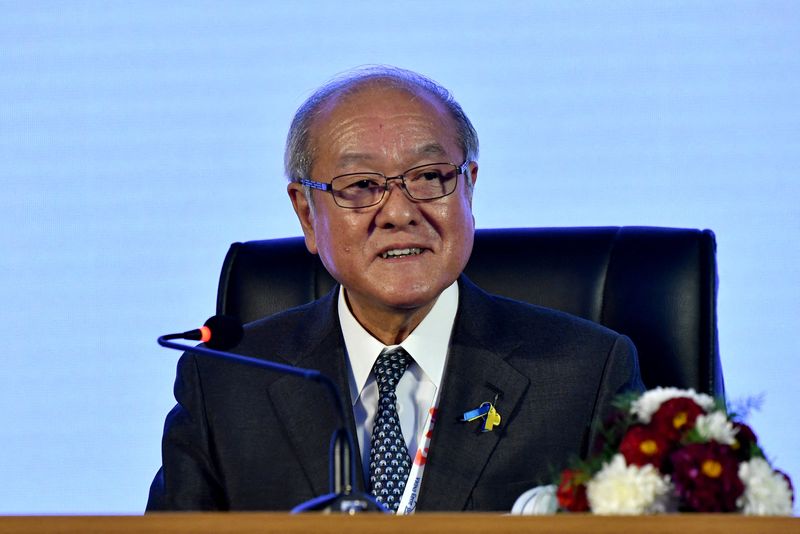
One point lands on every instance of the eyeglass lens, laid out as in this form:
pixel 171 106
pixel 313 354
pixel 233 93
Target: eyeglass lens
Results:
pixel 421 183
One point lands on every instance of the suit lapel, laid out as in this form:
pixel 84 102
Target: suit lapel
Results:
pixel 459 453
pixel 476 372
pixel 306 409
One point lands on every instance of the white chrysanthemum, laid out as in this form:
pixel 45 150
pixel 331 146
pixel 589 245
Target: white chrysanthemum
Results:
pixel 716 427
pixel 645 406
pixel 765 491
pixel 620 489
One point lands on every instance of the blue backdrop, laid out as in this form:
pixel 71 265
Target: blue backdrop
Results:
pixel 138 139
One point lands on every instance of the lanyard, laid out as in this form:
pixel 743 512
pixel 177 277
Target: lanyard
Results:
pixel 408 503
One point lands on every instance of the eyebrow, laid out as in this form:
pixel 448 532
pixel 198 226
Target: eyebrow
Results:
pixel 432 149
pixel 353 157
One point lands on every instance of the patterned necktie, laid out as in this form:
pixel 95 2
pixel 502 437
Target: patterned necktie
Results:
pixel 389 462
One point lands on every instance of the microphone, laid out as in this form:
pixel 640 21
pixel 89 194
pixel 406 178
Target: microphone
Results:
pixel 223 332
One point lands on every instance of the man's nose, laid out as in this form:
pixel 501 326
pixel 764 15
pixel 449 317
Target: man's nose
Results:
pixel 397 208
pixel 395 185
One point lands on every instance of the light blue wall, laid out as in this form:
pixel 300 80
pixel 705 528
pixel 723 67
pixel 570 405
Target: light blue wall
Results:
pixel 138 139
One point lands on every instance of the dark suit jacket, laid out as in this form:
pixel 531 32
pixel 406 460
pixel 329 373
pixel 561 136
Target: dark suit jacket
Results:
pixel 246 439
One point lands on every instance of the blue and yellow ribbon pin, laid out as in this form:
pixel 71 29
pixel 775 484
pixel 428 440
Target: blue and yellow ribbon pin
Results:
pixel 487 412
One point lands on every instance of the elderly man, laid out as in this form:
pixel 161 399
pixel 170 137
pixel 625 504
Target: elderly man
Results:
pixel 382 167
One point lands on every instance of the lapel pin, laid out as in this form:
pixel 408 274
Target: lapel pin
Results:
pixel 487 412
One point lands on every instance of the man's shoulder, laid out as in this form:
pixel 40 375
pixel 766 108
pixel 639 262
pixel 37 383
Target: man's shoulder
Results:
pixel 303 312
pixel 516 312
pixel 526 312
pixel 540 341
pixel 295 327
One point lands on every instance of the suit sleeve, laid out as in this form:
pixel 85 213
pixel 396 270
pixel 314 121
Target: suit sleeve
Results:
pixel 188 479
pixel 621 374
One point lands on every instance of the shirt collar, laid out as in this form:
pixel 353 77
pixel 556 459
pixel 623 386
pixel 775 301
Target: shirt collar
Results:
pixel 427 344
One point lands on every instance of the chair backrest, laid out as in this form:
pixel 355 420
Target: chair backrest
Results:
pixel 658 286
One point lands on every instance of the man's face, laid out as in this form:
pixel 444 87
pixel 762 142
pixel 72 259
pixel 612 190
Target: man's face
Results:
pixel 387 130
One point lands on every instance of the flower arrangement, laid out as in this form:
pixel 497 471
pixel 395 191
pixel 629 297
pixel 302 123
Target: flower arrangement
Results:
pixel 674 450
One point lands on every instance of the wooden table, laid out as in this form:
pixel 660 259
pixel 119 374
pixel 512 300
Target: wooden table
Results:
pixel 462 523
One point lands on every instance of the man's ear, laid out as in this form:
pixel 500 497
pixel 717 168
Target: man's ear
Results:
pixel 472 172
pixel 472 176
pixel 305 214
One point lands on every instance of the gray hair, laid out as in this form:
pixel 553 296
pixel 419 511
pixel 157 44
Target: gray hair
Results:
pixel 299 155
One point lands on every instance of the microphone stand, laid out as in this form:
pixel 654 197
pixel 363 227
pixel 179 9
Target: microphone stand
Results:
pixel 343 498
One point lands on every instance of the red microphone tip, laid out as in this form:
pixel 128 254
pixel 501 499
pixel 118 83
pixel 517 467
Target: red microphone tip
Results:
pixel 205 334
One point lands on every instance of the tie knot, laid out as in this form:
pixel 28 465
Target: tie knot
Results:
pixel 389 367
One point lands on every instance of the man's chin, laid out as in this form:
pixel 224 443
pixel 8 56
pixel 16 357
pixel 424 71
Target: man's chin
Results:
pixel 410 298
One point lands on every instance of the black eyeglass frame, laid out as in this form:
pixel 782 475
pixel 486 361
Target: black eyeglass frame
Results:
pixel 322 186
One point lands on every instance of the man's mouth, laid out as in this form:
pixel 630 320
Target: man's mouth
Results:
pixel 401 252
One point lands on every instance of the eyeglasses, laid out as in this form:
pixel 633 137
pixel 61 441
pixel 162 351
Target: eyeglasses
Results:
pixel 365 189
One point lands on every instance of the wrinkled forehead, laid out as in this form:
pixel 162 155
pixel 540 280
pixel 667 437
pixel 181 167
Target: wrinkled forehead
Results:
pixel 386 86
pixel 388 91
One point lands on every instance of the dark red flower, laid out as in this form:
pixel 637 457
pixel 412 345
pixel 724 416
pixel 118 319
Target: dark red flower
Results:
pixel 643 445
pixel 706 477
pixel 745 440
pixel 571 491
pixel 675 417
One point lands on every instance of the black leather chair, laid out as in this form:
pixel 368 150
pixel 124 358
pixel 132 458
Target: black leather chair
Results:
pixel 656 285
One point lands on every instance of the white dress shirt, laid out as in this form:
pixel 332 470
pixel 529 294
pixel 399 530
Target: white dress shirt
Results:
pixel 416 391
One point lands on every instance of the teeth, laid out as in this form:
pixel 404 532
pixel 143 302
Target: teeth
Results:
pixel 397 252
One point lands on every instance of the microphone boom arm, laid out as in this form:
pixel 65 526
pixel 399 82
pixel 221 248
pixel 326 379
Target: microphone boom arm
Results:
pixel 343 471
